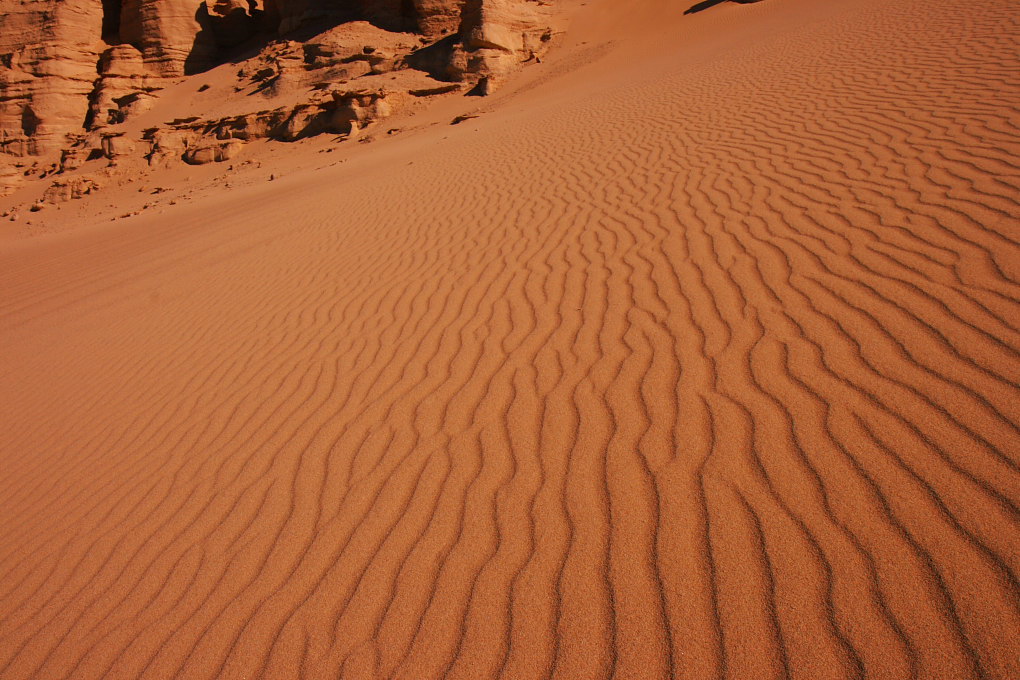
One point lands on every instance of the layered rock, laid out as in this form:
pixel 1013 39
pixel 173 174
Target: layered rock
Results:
pixel 58 76
pixel 124 88
pixel 48 53
pixel 68 67
pixel 175 37
pixel 438 17
pixel 497 36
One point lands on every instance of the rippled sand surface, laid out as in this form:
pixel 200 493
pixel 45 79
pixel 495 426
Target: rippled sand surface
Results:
pixel 694 357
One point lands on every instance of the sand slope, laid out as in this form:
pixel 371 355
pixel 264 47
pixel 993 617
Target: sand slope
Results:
pixel 696 356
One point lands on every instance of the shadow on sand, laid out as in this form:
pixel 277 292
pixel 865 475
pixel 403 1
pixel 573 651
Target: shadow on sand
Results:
pixel 706 4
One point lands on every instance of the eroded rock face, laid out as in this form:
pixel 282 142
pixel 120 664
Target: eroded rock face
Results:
pixel 124 87
pixel 48 53
pixel 497 36
pixel 70 67
pixel 438 17
pixel 175 37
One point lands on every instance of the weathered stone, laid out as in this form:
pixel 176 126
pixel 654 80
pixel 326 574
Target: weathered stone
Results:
pixel 124 88
pixel 47 66
pixel 496 37
pixel 11 178
pixel 73 158
pixel 114 145
pixel 438 17
pixel 52 50
pixel 69 189
pixel 175 37
pixel 215 152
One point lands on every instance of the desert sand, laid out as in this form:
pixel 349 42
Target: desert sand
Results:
pixel 693 354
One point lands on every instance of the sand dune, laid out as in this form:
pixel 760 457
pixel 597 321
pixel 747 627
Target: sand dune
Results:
pixel 694 355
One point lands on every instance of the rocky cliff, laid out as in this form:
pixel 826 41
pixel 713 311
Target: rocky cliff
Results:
pixel 48 56
pixel 73 70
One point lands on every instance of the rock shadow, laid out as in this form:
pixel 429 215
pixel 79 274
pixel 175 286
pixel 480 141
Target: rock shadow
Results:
pixel 707 4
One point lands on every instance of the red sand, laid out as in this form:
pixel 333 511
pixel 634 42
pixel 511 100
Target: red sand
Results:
pixel 695 355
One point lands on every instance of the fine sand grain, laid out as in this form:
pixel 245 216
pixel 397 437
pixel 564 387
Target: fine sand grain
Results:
pixel 693 355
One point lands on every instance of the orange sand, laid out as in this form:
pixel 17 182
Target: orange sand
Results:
pixel 694 355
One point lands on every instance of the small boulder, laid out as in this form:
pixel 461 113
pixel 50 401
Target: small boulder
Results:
pixel 216 152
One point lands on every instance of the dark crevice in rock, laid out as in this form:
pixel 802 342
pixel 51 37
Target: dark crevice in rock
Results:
pixel 111 21
pixel 90 115
pixel 29 121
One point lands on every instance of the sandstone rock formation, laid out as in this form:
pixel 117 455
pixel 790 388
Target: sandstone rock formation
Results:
pixel 124 87
pixel 47 67
pixel 72 67
pixel 212 152
pixel 496 36
pixel 180 37
pixel 170 34
pixel 438 17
